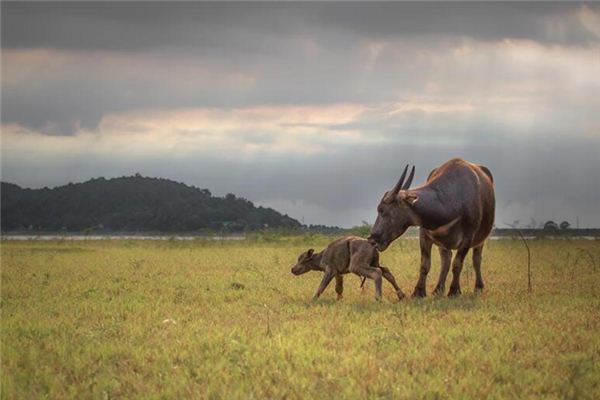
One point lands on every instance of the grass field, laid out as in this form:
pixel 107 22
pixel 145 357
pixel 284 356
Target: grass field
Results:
pixel 200 319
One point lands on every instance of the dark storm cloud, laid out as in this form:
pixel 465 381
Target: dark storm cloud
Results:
pixel 139 26
pixel 482 21
pixel 125 26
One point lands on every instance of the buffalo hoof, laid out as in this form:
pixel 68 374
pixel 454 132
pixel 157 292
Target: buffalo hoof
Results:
pixel 454 291
pixel 439 290
pixel 400 294
pixel 340 297
pixel 419 293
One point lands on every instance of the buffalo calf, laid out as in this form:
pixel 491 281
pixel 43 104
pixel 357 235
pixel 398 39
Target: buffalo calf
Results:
pixel 348 254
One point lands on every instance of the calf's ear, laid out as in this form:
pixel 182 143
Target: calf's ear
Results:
pixel 409 198
pixel 310 252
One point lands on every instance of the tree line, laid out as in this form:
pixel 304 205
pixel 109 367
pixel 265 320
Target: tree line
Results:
pixel 131 204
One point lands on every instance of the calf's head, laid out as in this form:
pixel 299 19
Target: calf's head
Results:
pixel 305 263
pixel 394 213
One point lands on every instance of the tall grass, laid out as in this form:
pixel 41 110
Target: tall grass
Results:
pixel 202 319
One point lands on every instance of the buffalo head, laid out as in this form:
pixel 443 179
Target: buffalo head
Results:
pixel 394 213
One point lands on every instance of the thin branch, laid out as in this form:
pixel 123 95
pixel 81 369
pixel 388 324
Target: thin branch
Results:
pixel 528 256
pixel 528 261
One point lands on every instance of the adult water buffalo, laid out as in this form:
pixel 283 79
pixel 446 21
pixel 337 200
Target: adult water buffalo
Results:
pixel 454 210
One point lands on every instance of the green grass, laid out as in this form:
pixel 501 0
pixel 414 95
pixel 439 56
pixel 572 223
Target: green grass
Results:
pixel 140 319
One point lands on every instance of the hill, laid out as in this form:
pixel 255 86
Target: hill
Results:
pixel 132 204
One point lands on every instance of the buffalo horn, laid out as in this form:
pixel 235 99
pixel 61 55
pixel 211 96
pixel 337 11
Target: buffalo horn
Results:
pixel 400 182
pixel 410 179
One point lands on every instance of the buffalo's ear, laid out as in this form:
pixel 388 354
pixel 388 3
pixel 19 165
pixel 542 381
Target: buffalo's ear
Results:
pixel 310 252
pixel 409 198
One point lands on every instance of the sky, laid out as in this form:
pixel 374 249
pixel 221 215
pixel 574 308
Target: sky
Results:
pixel 313 109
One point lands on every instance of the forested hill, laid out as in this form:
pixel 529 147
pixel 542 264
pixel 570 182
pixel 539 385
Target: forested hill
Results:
pixel 132 204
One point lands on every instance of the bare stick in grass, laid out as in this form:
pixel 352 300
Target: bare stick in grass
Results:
pixel 528 255
pixel 528 261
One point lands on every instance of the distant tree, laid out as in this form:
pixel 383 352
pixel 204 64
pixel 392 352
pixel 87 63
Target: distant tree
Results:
pixel 565 225
pixel 363 230
pixel 550 226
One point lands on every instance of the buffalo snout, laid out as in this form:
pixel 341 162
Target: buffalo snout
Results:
pixel 374 240
pixel 298 269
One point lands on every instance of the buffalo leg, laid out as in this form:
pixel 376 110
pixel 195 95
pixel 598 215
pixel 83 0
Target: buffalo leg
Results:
pixel 364 269
pixel 329 274
pixel 457 264
pixel 446 259
pixel 339 286
pixel 425 243
pixel 477 251
pixel 387 275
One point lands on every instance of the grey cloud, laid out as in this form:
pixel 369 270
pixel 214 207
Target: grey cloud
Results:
pixel 164 43
pixel 139 26
pixel 87 88
pixel 480 20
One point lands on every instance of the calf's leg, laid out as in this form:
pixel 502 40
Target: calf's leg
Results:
pixel 387 275
pixel 339 286
pixel 446 259
pixel 362 268
pixel 329 274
